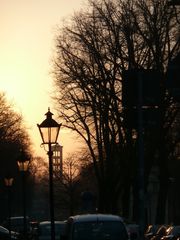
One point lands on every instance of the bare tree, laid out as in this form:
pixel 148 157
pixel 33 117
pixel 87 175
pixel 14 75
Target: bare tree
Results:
pixel 92 52
pixel 14 138
pixel 67 186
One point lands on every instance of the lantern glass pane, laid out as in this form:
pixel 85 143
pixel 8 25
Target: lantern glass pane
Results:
pixel 54 134
pixel 23 166
pixel 8 181
pixel 45 134
pixel 49 135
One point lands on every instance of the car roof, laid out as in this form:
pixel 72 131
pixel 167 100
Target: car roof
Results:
pixel 49 222
pixel 18 219
pixel 3 229
pixel 95 217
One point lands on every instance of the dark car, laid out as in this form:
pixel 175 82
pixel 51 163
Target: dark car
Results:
pixel 17 224
pixel 34 227
pixel 133 231
pixel 161 232
pixel 44 230
pixel 151 231
pixel 172 233
pixel 95 227
pixel 6 235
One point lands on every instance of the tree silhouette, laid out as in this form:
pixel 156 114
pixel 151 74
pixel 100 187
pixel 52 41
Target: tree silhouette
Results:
pixel 92 51
pixel 13 138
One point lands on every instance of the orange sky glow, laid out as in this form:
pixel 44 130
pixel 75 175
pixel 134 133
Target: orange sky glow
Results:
pixel 27 31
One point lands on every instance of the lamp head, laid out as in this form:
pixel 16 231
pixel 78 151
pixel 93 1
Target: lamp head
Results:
pixel 8 181
pixel 49 129
pixel 23 161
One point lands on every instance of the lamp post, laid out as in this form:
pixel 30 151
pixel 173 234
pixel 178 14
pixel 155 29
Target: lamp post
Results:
pixel 8 183
pixel 49 130
pixel 23 164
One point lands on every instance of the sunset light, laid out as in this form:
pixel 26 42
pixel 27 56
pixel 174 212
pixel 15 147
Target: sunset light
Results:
pixel 27 39
pixel 89 119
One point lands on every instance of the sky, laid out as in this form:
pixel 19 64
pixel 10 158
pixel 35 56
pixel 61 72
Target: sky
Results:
pixel 27 33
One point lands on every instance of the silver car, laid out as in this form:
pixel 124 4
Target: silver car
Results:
pixel 95 227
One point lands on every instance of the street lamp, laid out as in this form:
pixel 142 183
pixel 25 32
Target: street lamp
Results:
pixel 8 183
pixel 23 164
pixel 49 130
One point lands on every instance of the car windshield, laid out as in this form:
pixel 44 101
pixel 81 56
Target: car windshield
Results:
pixel 99 231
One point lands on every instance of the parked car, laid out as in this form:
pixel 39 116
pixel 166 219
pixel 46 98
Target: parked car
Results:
pixel 5 234
pixel 172 233
pixel 151 231
pixel 17 224
pixel 161 232
pixel 34 226
pixel 133 231
pixel 44 230
pixel 94 227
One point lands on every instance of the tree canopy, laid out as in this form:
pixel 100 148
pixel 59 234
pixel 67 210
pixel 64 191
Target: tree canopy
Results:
pixel 13 136
pixel 92 51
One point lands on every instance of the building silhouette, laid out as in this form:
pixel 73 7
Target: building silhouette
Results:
pixel 57 160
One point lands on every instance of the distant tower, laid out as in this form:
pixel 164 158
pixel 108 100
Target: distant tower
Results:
pixel 57 159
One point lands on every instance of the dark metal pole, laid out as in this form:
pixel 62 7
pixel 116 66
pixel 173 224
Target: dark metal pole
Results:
pixel 51 197
pixel 141 157
pixel 24 204
pixel 9 211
